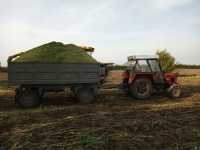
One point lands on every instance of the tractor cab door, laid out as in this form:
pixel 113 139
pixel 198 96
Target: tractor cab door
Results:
pixel 157 72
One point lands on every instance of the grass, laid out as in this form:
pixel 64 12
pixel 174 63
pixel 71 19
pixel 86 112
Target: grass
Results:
pixel 56 52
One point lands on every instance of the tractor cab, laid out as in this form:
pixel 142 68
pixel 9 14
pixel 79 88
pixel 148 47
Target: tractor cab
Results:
pixel 144 75
pixel 147 66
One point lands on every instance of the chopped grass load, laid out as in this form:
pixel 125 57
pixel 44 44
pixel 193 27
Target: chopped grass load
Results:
pixel 56 52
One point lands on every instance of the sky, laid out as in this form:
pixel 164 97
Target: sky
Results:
pixel 116 28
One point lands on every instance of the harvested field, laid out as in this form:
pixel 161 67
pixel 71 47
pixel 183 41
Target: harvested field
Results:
pixel 114 122
pixel 3 76
pixel 3 80
pixel 188 71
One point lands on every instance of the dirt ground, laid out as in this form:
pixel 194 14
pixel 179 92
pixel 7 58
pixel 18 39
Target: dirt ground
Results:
pixel 3 76
pixel 114 122
pixel 188 71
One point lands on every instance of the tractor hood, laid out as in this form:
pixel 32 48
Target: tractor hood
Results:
pixel 171 78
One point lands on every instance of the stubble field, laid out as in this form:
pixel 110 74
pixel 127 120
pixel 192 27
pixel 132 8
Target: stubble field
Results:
pixel 114 122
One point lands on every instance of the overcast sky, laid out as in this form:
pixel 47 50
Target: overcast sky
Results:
pixel 116 28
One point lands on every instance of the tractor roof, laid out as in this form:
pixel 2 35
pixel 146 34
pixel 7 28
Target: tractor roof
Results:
pixel 142 57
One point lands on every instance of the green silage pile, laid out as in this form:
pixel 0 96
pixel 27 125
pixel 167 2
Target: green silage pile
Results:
pixel 56 52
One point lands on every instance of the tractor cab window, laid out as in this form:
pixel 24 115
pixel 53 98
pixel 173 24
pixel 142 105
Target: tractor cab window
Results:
pixel 142 66
pixel 154 66
pixel 130 65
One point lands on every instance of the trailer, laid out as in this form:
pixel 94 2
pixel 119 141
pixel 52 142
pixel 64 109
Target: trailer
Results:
pixel 32 80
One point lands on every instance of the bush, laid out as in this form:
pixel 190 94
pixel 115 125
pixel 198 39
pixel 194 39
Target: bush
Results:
pixel 167 61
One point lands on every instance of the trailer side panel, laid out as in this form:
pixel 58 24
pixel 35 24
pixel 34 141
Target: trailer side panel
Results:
pixel 52 74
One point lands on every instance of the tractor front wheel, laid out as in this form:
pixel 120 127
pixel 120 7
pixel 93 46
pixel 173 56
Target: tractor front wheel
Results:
pixel 174 91
pixel 141 88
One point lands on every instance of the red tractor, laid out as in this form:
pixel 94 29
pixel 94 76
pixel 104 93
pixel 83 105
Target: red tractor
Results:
pixel 144 76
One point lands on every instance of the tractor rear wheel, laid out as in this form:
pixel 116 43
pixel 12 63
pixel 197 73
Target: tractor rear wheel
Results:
pixel 141 88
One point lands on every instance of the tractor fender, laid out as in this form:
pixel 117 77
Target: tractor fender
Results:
pixel 138 76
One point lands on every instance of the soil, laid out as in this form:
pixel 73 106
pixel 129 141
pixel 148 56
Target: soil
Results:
pixel 114 122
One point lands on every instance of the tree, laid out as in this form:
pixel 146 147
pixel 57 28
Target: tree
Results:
pixel 167 61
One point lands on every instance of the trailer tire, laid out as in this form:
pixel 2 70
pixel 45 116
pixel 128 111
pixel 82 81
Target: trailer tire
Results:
pixel 41 92
pixel 28 99
pixel 86 95
pixel 141 88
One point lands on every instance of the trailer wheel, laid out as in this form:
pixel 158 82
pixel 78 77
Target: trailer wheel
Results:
pixel 141 88
pixel 41 92
pixel 86 95
pixel 28 99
